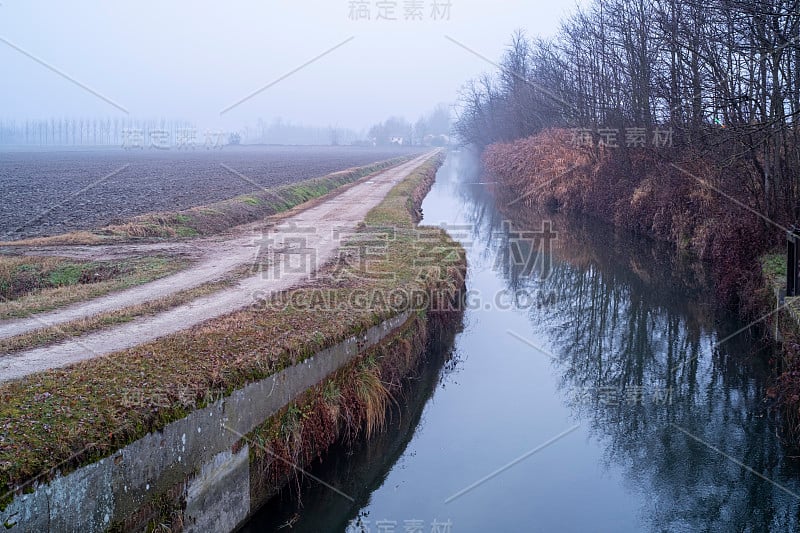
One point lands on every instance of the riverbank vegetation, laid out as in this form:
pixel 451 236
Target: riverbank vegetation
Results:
pixel 673 118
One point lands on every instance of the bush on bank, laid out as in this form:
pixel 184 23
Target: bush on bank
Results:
pixel 680 196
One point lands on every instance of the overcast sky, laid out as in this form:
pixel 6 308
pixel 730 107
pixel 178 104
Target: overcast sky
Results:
pixel 195 59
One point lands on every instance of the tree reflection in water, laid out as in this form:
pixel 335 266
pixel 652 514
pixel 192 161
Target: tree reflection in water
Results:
pixel 644 358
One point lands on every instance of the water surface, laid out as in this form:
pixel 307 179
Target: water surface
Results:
pixel 593 388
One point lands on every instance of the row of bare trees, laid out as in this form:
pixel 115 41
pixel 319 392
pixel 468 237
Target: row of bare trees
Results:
pixel 431 128
pixel 723 75
pixel 82 131
pixel 280 131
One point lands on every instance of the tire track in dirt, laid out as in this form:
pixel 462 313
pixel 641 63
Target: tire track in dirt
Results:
pixel 342 212
pixel 217 258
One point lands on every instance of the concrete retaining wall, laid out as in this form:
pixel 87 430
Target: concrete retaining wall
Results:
pixel 197 454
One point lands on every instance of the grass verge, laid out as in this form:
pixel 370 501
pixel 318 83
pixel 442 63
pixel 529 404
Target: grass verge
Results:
pixel 79 414
pixel 31 284
pixel 774 268
pixel 63 332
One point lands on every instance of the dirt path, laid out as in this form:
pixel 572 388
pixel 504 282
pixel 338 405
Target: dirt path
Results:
pixel 313 230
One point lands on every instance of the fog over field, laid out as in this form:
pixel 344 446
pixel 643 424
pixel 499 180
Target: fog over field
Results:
pixel 170 88
pixel 321 63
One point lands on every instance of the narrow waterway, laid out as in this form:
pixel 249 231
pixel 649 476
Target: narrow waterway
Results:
pixel 593 388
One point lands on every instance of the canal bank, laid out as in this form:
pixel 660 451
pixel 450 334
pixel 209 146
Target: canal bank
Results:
pixel 624 402
pixel 353 358
pixel 682 197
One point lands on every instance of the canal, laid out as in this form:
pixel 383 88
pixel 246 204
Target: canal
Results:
pixel 592 387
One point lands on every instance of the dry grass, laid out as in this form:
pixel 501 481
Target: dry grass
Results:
pixel 668 195
pixel 354 401
pixel 34 284
pixel 372 394
pixel 68 330
pixel 114 400
pixel 73 237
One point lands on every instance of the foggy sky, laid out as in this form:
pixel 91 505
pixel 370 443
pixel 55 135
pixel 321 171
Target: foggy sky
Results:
pixel 192 60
